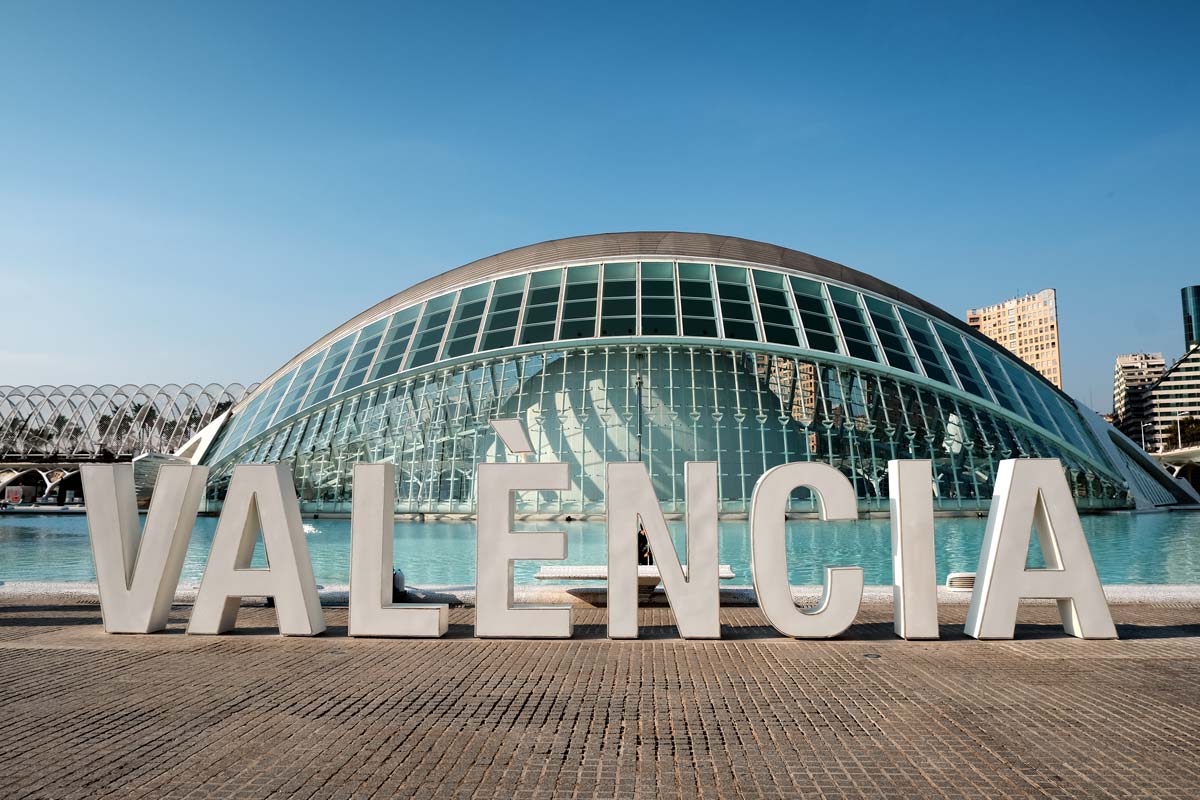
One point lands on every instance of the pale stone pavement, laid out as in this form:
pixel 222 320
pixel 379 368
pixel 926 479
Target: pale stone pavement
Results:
pixel 84 714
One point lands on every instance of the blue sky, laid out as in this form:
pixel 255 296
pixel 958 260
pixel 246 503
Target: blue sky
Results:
pixel 194 192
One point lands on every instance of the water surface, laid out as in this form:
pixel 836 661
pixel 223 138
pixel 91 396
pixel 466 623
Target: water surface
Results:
pixel 1127 548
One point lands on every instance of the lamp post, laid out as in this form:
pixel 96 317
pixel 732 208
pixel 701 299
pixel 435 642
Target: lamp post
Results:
pixel 1144 426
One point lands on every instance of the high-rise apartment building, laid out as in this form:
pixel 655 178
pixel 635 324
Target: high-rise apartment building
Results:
pixel 1175 404
pixel 1157 405
pixel 1028 327
pixel 1132 378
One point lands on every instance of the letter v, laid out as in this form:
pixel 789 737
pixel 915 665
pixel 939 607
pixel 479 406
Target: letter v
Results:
pixel 137 572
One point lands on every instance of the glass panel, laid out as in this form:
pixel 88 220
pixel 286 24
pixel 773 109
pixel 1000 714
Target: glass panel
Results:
pixel 618 310
pixel 855 329
pixel 395 343
pixel 960 359
pixel 304 376
pixel 696 300
pixel 779 325
pixel 1037 411
pixel 994 374
pixel 927 347
pixel 1068 420
pixel 658 299
pixel 541 307
pixel 430 330
pixel 814 315
pixel 270 403
pixel 242 421
pixel 500 330
pixel 362 356
pixel 468 316
pixel 737 312
pixel 891 338
pixel 579 303
pixel 323 384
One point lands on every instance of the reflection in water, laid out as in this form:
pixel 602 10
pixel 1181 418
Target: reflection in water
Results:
pixel 1127 548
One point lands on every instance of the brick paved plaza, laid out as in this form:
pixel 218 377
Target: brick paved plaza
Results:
pixel 85 714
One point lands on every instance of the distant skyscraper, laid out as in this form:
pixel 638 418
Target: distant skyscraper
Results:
pixel 1134 375
pixel 1191 315
pixel 1028 327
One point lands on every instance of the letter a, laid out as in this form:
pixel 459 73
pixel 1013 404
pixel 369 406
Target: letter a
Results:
pixel 1033 491
pixel 260 496
pixel 137 572
pixel 372 612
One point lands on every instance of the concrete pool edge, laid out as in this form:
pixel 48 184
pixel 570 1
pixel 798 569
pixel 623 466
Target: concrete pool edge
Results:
pixel 585 595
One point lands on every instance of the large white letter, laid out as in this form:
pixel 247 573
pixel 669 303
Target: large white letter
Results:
pixel 914 568
pixel 137 572
pixel 372 527
pixel 1033 491
pixel 260 496
pixel 497 546
pixel 695 597
pixel 768 551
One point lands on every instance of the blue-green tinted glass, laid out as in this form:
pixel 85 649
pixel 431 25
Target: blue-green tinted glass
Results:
pixel 579 303
pixel 737 312
pixel 468 317
pixel 1044 402
pixel 500 329
pixel 361 357
pixel 541 306
pixel 814 315
pixel 960 359
pixel 303 379
pixel 395 343
pixel 1068 420
pixel 1024 386
pixel 696 300
pixel 241 422
pixel 618 308
pixel 322 385
pixel 430 330
pixel 855 329
pixel 774 309
pixel 658 299
pixel 891 337
pixel 994 374
pixel 267 410
pixel 927 347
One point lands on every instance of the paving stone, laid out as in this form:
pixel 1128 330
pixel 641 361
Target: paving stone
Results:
pixel 251 715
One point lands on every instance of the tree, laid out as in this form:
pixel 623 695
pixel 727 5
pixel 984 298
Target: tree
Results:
pixel 1189 431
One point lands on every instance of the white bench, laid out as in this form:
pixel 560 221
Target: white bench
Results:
pixel 648 574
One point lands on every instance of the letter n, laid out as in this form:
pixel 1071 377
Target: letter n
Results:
pixel 695 596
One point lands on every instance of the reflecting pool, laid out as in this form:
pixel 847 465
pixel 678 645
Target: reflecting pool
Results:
pixel 1127 548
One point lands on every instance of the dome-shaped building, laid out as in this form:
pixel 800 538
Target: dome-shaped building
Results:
pixel 666 348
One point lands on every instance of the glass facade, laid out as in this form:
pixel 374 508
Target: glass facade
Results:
pixel 667 360
pixel 1191 315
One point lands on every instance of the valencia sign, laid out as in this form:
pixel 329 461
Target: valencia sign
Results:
pixel 138 571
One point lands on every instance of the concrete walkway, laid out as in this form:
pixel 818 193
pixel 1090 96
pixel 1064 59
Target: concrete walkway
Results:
pixel 84 714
